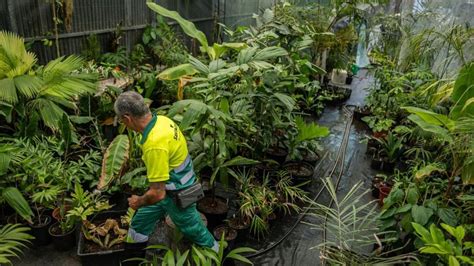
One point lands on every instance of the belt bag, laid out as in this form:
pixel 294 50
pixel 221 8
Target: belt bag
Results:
pixel 184 198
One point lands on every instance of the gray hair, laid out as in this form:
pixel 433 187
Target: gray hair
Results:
pixel 131 103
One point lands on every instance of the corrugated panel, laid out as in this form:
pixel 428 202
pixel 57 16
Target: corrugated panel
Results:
pixel 33 19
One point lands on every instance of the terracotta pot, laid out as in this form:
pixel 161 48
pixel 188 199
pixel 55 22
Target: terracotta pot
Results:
pixel 384 190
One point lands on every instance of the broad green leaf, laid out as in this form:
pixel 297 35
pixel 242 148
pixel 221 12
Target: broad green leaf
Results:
pixel 453 261
pixel 177 72
pixel 439 131
pixel 421 214
pixel 15 199
pixel 188 27
pixel 269 53
pixel 286 100
pixel 423 233
pixel 114 160
pixel 431 117
pixel 412 195
pixel 434 249
pixel 427 170
pixel 437 235
pixel 404 208
pixel 448 216
pixel 457 232
pixel 463 92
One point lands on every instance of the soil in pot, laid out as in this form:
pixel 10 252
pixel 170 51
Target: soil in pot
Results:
pixel 39 229
pixel 299 170
pixel 215 208
pixel 62 241
pixel 360 112
pixel 241 226
pixel 266 168
pixel 277 154
pixel 310 157
pixel 229 237
pixel 92 254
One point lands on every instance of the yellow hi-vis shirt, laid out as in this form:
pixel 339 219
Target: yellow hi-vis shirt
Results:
pixel 164 148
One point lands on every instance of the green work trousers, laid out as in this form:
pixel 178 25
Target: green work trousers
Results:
pixel 187 220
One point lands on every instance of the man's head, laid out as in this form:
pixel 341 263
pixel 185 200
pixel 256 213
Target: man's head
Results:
pixel 131 109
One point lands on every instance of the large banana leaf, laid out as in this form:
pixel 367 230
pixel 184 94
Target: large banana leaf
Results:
pixel 463 92
pixel 187 26
pixel 114 160
pixel 15 199
pixel 177 72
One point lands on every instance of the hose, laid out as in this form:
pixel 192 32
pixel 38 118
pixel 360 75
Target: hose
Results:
pixel 341 152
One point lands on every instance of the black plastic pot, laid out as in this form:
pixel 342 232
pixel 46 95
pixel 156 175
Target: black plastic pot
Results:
pixel 360 112
pixel 277 154
pixel 349 79
pixel 243 229
pixel 215 208
pixel 40 231
pixel 311 157
pixel 388 166
pixel 230 235
pixel 376 163
pixel 108 257
pixel 266 168
pixel 301 172
pixel 62 242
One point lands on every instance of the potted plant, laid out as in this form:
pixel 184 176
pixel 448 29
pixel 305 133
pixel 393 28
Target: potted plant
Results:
pixel 101 239
pixel 392 150
pixel 71 212
pixel 228 233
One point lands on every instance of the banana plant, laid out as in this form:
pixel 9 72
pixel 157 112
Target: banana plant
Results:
pixel 213 51
pixel 114 161
pixel 456 129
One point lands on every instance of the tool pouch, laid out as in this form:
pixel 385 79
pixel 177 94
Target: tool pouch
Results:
pixel 184 198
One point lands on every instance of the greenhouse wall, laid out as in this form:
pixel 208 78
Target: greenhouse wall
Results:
pixel 33 20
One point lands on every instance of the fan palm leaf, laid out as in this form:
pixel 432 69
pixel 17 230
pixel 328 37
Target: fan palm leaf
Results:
pixel 15 64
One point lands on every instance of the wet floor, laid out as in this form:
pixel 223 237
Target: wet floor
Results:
pixel 299 247
pixel 296 249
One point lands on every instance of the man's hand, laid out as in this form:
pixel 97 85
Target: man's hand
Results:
pixel 155 193
pixel 135 202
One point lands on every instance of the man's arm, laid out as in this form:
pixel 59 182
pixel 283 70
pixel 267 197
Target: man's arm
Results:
pixel 155 193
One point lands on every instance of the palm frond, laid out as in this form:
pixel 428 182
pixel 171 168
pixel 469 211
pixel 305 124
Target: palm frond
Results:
pixel 352 228
pixel 13 238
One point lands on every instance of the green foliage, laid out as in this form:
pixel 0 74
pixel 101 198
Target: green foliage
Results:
pixel 450 252
pixel 15 199
pixel 114 160
pixel 13 237
pixel 351 226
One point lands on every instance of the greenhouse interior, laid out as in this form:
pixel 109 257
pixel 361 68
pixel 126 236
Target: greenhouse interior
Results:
pixel 239 132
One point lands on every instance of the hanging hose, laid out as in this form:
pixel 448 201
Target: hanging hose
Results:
pixel 340 153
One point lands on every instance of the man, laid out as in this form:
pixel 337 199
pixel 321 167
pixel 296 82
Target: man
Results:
pixel 169 169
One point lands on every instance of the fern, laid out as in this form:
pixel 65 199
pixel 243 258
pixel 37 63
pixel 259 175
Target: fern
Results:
pixel 13 237
pixel 114 160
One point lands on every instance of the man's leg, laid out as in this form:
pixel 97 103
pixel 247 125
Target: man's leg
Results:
pixel 143 224
pixel 189 222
